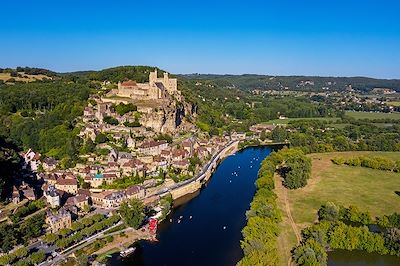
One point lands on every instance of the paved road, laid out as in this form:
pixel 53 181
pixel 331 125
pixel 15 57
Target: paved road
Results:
pixel 63 255
pixel 200 176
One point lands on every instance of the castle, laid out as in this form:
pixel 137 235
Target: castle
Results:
pixel 156 88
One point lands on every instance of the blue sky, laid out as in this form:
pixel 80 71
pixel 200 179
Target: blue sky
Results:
pixel 335 38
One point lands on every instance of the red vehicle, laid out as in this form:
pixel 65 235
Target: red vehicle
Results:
pixel 153 225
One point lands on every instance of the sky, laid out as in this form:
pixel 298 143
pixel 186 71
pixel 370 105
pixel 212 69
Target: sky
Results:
pixel 298 37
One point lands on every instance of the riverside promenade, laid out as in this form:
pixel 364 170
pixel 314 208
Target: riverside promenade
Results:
pixel 193 184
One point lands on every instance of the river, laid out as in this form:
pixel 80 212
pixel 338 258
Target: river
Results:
pixel 209 231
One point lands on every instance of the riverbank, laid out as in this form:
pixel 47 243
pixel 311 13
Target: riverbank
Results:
pixel 216 214
pixel 178 191
pixel 121 241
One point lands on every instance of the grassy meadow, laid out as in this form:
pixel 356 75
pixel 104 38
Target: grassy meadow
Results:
pixel 370 190
pixel 371 115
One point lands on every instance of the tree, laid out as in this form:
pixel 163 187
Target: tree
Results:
pixel 37 257
pixel 100 138
pixel 329 212
pixel 50 238
pixel 132 212
pixel 110 120
pixel 122 108
pixel 82 260
pixel 279 134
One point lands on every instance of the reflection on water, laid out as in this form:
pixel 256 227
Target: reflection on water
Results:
pixel 360 258
pixel 206 228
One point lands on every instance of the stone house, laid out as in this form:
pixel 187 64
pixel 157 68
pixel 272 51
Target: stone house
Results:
pixel 49 164
pixel 108 199
pixel 152 147
pixel 137 192
pixel 67 185
pixel 60 220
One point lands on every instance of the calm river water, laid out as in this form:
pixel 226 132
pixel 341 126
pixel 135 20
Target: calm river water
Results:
pixel 212 235
pixel 209 231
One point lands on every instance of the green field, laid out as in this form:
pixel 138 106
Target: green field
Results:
pixel 288 120
pixel 368 189
pixel 369 115
pixel 394 103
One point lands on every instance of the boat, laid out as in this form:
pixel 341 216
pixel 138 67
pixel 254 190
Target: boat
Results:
pixel 127 252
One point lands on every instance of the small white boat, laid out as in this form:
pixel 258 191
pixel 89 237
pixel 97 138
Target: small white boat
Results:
pixel 127 252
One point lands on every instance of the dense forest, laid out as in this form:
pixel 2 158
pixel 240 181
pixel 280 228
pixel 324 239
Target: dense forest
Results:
pixel 42 116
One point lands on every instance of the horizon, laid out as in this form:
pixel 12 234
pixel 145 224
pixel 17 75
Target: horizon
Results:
pixel 216 74
pixel 341 39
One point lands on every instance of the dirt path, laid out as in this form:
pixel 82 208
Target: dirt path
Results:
pixel 290 234
pixel 289 215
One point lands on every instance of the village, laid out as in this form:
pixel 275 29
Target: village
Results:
pixel 130 156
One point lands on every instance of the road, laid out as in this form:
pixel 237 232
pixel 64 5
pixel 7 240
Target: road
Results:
pixel 64 254
pixel 197 177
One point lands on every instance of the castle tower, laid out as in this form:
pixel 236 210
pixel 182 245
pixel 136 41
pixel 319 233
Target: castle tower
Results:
pixel 153 77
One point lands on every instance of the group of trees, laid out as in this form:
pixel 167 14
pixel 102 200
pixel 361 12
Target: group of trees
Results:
pixel 296 169
pixel 122 108
pixel 20 233
pixel 80 229
pixel 374 162
pixel 346 228
pixel 132 212
pixel 26 210
pixel 22 257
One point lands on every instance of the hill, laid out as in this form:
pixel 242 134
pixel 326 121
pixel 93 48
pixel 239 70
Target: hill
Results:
pixel 115 74
pixel 301 83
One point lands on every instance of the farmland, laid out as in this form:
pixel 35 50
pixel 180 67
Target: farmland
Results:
pixel 372 115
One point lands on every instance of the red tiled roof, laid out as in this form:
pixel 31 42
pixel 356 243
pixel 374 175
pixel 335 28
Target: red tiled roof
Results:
pixel 128 83
pixel 67 182
pixel 151 144
pixel 133 190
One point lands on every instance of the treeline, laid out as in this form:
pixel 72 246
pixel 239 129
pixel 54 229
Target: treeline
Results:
pixel 346 229
pixel 374 162
pixel 121 73
pixel 260 234
pixel 29 71
pixel 264 82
